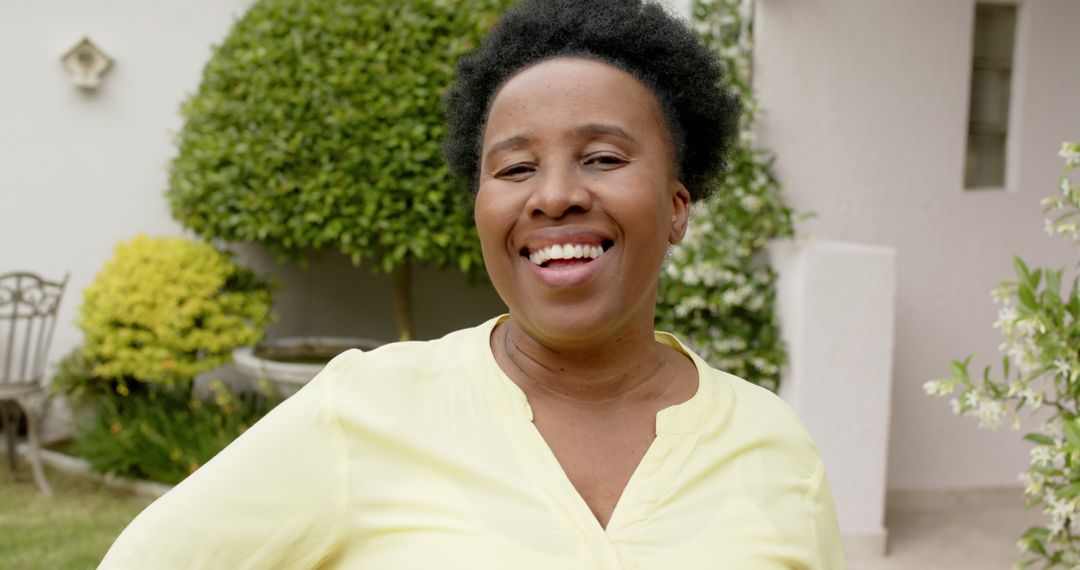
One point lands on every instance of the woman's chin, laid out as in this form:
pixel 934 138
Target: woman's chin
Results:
pixel 576 326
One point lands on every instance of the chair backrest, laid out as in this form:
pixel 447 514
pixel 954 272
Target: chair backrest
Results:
pixel 28 308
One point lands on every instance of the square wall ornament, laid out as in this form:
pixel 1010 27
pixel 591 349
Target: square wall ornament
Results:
pixel 85 64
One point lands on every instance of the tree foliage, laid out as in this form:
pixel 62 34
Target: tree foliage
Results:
pixel 318 124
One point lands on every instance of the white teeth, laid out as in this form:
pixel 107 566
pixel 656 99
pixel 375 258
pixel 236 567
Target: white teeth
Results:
pixel 565 251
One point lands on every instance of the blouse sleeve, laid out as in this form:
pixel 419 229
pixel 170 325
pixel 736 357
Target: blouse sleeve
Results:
pixel 824 525
pixel 274 498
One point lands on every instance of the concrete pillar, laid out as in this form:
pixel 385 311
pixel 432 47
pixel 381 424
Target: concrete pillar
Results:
pixel 836 305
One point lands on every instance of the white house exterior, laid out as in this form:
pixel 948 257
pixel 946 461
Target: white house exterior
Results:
pixel 864 102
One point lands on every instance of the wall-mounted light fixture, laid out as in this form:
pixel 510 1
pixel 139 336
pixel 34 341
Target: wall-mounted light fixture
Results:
pixel 86 63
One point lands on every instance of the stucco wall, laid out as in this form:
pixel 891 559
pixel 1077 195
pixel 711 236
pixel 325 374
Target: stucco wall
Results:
pixel 865 105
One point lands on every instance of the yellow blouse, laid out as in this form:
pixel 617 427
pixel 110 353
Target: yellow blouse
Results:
pixel 423 455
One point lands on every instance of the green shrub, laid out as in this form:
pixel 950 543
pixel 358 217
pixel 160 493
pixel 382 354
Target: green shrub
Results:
pixel 716 292
pixel 165 309
pixel 163 433
pixel 318 124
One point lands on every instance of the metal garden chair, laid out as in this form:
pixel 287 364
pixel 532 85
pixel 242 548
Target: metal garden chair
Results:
pixel 28 308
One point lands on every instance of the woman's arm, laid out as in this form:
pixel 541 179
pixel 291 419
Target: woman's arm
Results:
pixel 274 498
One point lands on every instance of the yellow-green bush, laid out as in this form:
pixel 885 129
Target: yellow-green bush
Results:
pixel 165 309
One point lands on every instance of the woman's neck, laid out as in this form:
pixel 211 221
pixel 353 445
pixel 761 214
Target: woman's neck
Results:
pixel 629 369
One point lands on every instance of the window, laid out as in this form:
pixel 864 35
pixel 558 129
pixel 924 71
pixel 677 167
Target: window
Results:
pixel 991 86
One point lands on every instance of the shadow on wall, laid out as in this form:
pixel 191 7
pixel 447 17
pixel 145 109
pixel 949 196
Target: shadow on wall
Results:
pixel 332 297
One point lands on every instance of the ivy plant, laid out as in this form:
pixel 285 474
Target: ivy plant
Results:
pixel 317 125
pixel 716 291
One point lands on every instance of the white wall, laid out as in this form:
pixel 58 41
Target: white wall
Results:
pixel 80 171
pixel 865 105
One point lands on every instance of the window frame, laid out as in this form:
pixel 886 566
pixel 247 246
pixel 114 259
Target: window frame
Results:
pixel 1014 124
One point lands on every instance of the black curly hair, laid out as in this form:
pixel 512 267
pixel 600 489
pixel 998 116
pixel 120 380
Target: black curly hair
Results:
pixel 637 36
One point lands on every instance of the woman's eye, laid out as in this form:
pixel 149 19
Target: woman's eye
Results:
pixel 605 160
pixel 516 171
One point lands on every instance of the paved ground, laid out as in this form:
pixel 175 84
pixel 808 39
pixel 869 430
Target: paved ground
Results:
pixel 967 538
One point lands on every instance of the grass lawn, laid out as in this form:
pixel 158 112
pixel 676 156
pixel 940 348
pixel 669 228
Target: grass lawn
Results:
pixel 71 531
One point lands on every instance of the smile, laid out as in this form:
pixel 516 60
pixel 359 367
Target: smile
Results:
pixel 544 256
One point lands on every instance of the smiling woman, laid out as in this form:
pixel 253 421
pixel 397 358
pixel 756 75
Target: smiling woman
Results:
pixel 567 433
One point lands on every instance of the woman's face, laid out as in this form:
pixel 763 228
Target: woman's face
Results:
pixel 577 200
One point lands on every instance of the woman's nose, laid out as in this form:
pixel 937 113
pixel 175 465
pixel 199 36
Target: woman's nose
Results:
pixel 558 193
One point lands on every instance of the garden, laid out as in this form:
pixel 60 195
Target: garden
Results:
pixel 317 127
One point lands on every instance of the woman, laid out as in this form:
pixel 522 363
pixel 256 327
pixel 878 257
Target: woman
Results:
pixel 566 434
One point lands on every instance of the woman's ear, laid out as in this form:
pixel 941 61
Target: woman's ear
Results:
pixel 680 213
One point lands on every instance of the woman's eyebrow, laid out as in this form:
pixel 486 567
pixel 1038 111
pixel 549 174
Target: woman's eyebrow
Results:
pixel 602 129
pixel 516 141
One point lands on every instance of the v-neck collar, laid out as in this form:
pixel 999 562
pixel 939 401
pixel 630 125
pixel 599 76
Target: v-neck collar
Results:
pixel 689 416
pixel 677 428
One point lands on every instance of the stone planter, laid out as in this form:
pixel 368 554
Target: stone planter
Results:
pixel 289 363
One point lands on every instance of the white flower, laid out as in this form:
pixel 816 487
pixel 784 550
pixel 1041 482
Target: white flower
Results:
pixel 939 387
pixel 990 413
pixel 750 203
pixel 1000 294
pixel 1063 369
pixel 1071 153
pixel 1027 327
pixel 1040 456
pixel 1055 527
pixel 1006 316
pixel 1061 508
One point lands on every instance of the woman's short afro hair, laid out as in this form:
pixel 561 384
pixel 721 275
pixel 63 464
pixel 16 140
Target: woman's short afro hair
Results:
pixel 637 36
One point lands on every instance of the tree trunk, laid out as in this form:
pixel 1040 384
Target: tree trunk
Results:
pixel 403 318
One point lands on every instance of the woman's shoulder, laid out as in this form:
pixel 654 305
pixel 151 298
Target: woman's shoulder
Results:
pixel 409 371
pixel 759 417
pixel 406 357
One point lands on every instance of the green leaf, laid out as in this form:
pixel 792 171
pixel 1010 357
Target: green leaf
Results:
pixel 1021 267
pixel 1037 533
pixel 1026 296
pixel 1072 432
pixel 960 368
pixel 1035 278
pixel 1039 438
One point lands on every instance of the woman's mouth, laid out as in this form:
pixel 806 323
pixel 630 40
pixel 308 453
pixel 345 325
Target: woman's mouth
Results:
pixel 566 254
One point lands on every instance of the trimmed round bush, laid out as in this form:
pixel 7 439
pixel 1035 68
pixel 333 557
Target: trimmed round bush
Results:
pixel 165 309
pixel 318 124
